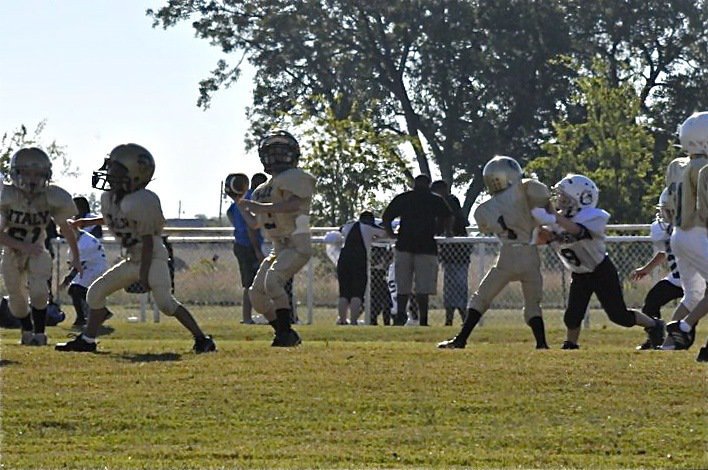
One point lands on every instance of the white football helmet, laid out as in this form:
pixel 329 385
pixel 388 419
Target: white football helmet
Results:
pixel 574 193
pixel 501 172
pixel 30 169
pixel 664 209
pixel 693 134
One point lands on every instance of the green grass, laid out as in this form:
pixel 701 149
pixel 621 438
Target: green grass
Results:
pixel 352 397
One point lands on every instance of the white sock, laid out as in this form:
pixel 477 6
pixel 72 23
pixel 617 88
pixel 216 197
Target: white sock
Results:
pixel 685 327
pixel 88 339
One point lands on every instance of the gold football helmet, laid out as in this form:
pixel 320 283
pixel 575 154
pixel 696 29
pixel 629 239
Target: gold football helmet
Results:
pixel 30 169
pixel 501 172
pixel 128 168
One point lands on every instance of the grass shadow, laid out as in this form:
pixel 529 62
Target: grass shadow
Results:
pixel 151 357
pixel 7 362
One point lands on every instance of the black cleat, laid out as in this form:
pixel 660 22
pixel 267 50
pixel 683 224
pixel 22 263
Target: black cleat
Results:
pixel 452 343
pixel 645 345
pixel 702 355
pixel 569 345
pixel 655 334
pixel 286 339
pixel 682 340
pixel 542 346
pixel 78 344
pixel 204 344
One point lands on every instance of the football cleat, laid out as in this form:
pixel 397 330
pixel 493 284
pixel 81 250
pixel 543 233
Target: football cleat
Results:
pixel 656 334
pixel 39 339
pixel 78 344
pixel 569 345
pixel 452 343
pixel 27 337
pixel 286 339
pixel 542 346
pixel 682 340
pixel 644 346
pixel 204 344
pixel 702 355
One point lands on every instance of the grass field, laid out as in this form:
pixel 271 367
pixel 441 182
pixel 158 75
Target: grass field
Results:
pixel 352 397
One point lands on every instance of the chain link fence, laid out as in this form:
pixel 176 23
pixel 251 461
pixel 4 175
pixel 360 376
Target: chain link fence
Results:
pixel 206 274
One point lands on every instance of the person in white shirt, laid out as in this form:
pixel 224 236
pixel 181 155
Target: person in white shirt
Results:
pixel 352 266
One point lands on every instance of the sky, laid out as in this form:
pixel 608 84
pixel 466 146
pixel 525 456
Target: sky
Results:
pixel 101 76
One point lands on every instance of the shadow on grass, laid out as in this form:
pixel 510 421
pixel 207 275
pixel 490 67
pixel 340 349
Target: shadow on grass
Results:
pixel 151 357
pixel 7 362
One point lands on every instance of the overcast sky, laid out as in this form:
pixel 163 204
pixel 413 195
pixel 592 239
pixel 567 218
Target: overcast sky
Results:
pixel 101 76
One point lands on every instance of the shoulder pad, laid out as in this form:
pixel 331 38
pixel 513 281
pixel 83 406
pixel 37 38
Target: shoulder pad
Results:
pixel 59 197
pixel 591 213
pixel 140 200
pixel 296 181
pixel 9 197
pixel 657 232
pixel 536 192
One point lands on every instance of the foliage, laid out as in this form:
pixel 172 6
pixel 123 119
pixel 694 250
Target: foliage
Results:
pixel 462 80
pixel 351 397
pixel 354 165
pixel 609 146
pixel 15 140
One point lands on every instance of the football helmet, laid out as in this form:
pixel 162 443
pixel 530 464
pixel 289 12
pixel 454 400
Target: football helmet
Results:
pixel 575 192
pixel 278 151
pixel 693 134
pixel 501 172
pixel 128 168
pixel 664 209
pixel 30 169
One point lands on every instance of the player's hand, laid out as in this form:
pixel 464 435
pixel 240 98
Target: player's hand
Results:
pixel 76 264
pixel 638 274
pixel 543 236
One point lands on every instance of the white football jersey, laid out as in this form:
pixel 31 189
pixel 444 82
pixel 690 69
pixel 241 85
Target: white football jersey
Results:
pixel 92 256
pixel 661 239
pixel 583 252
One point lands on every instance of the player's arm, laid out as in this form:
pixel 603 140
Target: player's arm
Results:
pixel 86 221
pixel 291 204
pixel 70 237
pixel 146 259
pixel 655 261
pixel 391 212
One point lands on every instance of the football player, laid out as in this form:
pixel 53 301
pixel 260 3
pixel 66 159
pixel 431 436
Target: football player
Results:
pixel 690 237
pixel 26 207
pixel 669 288
pixel 134 215
pixel 579 239
pixel 281 207
pixel 517 207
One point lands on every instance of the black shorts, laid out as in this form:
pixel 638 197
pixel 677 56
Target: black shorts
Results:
pixel 351 274
pixel 247 263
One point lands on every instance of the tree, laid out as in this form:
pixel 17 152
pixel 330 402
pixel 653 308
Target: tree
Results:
pixel 20 138
pixel 609 146
pixel 355 165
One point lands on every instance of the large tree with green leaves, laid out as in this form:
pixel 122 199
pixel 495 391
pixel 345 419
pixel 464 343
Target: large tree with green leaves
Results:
pixel 462 79
pixel 12 141
pixel 609 145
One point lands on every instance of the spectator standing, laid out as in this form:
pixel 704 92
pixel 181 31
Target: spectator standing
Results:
pixel 26 207
pixel 352 266
pixel 246 240
pixel 454 257
pixel 516 208
pixel 422 214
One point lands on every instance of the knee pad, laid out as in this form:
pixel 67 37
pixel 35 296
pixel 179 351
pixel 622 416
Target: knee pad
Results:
pixel 627 318
pixel 275 289
pixel 572 320
pixel 259 300
pixel 691 297
pixel 165 301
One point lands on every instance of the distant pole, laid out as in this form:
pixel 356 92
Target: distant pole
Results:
pixel 221 199
pixel 179 209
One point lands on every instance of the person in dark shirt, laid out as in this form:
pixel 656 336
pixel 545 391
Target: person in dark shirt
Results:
pixel 454 257
pixel 422 214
